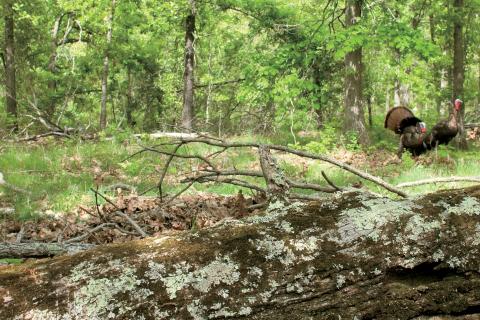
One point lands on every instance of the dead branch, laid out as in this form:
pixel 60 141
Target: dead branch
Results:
pixel 304 154
pixel 133 223
pixel 90 232
pixel 212 174
pixel 277 185
pixel 165 169
pixel 310 186
pixel 324 175
pixel 236 182
pixel 43 135
pixel 438 180
pixel 120 213
pixel 40 249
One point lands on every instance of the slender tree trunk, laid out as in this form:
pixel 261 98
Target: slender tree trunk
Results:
pixel 478 84
pixel 401 94
pixel 354 117
pixel 188 75
pixel 437 72
pixel 10 83
pixel 459 68
pixel 52 64
pixel 370 114
pixel 130 106
pixel 387 99
pixel 103 110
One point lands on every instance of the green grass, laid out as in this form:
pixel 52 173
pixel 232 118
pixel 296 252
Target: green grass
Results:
pixel 59 174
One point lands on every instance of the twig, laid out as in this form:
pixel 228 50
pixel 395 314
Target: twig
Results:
pixel 236 182
pixel 89 232
pixel 165 169
pixel 208 162
pixel 118 212
pixel 97 205
pixel 20 234
pixel 438 180
pixel 181 191
pixel 330 182
pixel 133 223
pixel 310 186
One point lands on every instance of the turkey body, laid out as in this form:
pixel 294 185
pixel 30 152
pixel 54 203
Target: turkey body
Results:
pixel 411 129
pixel 444 131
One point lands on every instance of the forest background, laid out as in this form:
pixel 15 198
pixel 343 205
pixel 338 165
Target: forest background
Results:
pixel 314 75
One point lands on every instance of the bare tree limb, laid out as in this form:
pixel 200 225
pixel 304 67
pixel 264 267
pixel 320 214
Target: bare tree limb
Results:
pixel 438 180
pixel 90 232
pixel 123 215
pixel 330 182
pixel 165 169
pixel 304 154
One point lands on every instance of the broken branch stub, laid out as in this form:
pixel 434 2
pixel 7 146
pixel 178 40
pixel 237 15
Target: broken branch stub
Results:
pixel 277 184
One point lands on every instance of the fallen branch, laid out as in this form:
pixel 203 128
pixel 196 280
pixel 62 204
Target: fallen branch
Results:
pixel 40 250
pixel 324 175
pixel 164 171
pixel 90 232
pixel 43 135
pixel 438 180
pixel 123 215
pixel 304 154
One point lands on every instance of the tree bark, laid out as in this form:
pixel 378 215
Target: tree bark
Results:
pixel 459 69
pixel 354 117
pixel 103 109
pixel 188 75
pixel 40 250
pixel 277 185
pixel 357 256
pixel 130 103
pixel 10 82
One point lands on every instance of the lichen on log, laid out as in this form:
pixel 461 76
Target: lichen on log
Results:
pixel 358 256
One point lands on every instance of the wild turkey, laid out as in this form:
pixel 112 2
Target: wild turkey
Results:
pixel 412 130
pixel 444 131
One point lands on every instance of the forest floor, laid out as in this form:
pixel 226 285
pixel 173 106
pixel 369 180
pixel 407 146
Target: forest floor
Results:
pixel 58 177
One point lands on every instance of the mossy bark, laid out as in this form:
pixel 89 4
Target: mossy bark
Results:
pixel 357 256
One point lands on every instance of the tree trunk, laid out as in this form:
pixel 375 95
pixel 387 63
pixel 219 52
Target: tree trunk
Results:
pixel 188 75
pixel 103 110
pixel 370 113
pixel 387 99
pixel 401 94
pixel 130 103
pixel 356 256
pixel 52 65
pixel 459 69
pixel 354 117
pixel 10 83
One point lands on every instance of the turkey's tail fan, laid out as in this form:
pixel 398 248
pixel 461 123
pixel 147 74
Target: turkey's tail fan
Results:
pixel 399 118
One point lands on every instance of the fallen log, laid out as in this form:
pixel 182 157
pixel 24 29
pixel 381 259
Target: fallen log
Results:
pixel 40 250
pixel 358 256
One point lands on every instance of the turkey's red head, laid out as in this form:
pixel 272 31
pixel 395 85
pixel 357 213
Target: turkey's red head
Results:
pixel 458 104
pixel 423 127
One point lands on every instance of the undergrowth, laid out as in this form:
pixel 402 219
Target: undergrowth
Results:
pixel 60 173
